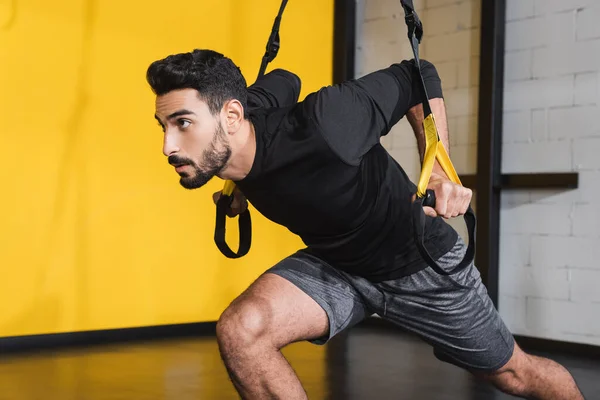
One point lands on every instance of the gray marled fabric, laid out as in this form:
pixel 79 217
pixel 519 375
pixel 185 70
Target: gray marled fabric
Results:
pixel 452 313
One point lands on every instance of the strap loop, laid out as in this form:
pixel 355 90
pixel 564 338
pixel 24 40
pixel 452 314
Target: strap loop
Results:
pixel 244 224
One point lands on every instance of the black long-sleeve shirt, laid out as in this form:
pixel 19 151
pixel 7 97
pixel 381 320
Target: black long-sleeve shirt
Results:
pixel 278 88
pixel 321 171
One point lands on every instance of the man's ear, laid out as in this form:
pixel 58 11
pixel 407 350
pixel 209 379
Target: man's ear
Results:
pixel 234 114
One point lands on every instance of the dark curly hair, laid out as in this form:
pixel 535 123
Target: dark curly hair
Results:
pixel 216 78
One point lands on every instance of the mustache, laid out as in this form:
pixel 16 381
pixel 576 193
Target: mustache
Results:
pixel 177 161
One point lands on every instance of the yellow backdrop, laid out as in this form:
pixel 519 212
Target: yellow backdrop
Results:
pixel 96 231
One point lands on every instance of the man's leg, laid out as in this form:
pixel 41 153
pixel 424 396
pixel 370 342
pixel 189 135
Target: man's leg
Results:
pixel 533 377
pixel 301 298
pixel 456 316
pixel 271 314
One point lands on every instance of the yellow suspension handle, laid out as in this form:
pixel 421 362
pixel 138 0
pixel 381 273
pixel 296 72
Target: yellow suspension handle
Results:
pixel 228 188
pixel 434 150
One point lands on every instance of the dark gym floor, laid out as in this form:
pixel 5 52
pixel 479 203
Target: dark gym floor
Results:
pixel 365 363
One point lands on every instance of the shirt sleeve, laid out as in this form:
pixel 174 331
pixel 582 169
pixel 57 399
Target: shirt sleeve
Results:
pixel 278 88
pixel 353 115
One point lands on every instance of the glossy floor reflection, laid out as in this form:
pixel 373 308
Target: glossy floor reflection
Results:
pixel 366 363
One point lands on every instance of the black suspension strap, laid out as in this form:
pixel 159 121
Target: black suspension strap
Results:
pixel 434 150
pixel 273 42
pixel 224 202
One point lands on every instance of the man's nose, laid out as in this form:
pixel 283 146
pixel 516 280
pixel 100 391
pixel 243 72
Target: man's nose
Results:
pixel 170 145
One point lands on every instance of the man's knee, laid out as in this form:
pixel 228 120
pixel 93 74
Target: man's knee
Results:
pixel 244 323
pixel 514 377
pixel 513 382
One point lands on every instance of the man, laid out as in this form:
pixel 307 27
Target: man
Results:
pixel 318 168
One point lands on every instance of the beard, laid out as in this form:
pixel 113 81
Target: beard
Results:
pixel 214 159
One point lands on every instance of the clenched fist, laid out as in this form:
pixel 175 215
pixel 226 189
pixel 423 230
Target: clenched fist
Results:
pixel 451 199
pixel 237 206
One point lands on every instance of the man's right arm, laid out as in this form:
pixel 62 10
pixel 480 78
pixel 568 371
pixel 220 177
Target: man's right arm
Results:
pixel 355 114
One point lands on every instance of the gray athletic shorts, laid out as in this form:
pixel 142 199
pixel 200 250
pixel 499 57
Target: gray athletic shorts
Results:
pixel 452 313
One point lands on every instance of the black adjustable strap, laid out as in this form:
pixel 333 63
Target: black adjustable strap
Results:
pixel 224 202
pixel 273 42
pixel 415 34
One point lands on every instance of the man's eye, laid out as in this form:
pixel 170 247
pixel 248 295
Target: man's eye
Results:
pixel 183 123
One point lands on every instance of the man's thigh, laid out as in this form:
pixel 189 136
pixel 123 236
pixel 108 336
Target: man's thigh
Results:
pixel 452 313
pixel 328 288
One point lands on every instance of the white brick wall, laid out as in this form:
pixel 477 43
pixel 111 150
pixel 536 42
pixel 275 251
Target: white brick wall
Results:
pixel 543 7
pixel 587 88
pixel 563 320
pixel 516 10
pixel 541 156
pixel 587 23
pixel 566 58
pixel 550 239
pixel 518 65
pixel 539 93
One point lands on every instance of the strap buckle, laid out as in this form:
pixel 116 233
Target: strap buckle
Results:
pixel 272 47
pixel 414 24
